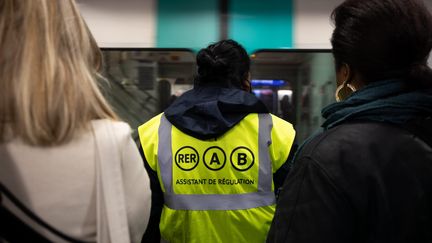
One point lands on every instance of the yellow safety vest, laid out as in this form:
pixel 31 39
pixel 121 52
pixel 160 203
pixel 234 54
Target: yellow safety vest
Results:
pixel 218 190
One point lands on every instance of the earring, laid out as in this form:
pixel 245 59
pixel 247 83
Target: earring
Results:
pixel 343 91
pixel 248 88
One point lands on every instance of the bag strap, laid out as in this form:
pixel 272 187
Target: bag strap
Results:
pixel 110 190
pixel 12 229
pixel 15 229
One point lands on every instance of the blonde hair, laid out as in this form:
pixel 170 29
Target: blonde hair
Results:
pixel 48 72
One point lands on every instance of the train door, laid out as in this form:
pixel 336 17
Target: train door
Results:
pixel 295 85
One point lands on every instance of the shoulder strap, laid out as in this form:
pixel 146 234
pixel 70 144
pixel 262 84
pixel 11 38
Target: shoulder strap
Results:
pixel 112 214
pixel 14 229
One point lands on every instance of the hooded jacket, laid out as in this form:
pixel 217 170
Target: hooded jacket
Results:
pixel 206 113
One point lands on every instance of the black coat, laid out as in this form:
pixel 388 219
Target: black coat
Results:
pixel 359 182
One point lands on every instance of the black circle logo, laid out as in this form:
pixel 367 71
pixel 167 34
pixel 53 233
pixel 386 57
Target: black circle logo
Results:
pixel 187 158
pixel 242 158
pixel 214 158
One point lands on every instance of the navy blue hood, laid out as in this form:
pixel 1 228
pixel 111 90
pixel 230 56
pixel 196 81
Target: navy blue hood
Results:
pixel 208 112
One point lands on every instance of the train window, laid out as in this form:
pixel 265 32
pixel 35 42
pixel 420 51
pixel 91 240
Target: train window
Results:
pixel 144 81
pixel 295 85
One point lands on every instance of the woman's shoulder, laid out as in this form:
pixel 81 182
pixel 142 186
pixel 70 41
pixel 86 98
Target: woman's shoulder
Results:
pixel 360 146
pixel 357 134
pixel 120 125
pixel 120 131
pixel 111 126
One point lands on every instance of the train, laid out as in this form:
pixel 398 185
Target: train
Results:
pixel 149 50
pixel 293 84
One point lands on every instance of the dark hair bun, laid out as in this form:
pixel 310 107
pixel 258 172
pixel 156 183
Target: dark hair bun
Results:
pixel 225 63
pixel 210 65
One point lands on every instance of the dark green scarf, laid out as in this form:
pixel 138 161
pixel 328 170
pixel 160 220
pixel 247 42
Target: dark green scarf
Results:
pixel 383 101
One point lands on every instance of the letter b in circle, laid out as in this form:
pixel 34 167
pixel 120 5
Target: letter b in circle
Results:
pixel 242 158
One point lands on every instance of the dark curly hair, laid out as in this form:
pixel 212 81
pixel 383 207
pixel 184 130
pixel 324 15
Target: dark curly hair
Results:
pixel 383 39
pixel 224 63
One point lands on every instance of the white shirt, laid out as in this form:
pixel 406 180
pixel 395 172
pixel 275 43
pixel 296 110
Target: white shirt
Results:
pixel 58 183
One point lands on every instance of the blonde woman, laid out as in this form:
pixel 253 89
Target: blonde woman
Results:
pixel 63 155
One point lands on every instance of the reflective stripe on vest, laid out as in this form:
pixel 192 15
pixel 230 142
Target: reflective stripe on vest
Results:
pixel 263 197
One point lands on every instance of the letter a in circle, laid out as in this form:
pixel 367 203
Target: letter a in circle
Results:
pixel 214 159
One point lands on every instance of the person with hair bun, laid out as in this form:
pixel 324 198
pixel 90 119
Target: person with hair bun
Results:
pixel 368 176
pixel 69 169
pixel 216 157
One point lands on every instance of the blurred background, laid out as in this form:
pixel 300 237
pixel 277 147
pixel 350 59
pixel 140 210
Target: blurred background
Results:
pixel 149 49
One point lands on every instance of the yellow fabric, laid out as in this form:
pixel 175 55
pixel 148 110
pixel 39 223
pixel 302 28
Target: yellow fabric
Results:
pixel 282 137
pixel 231 226
pixel 217 181
pixel 219 166
pixel 149 139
